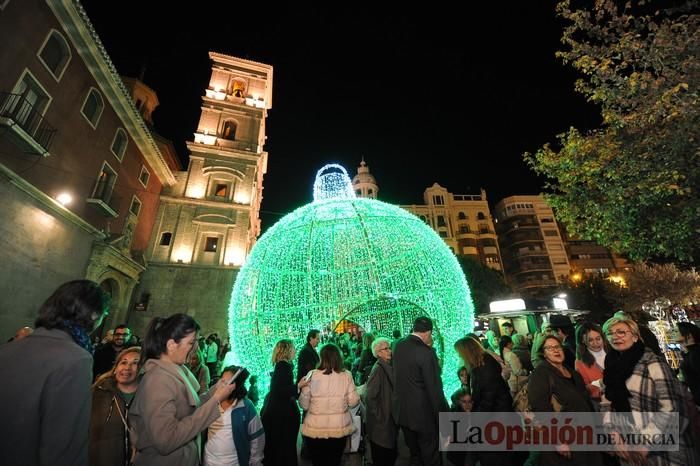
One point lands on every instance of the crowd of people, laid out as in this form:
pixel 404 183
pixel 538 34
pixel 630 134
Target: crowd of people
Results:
pixel 169 401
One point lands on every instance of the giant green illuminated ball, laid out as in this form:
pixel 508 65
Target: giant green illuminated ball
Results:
pixel 346 258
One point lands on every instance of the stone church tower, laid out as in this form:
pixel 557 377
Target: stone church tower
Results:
pixel 209 220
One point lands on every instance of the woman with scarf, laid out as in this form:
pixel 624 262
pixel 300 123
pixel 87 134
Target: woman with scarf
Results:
pixel 47 376
pixel 112 395
pixel 167 414
pixel 590 358
pixel 640 382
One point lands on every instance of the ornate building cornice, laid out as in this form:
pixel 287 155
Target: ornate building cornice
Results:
pixel 84 38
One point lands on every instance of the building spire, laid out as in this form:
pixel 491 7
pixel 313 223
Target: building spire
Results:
pixel 364 183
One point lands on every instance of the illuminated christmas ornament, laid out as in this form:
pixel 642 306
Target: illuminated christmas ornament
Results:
pixel 341 261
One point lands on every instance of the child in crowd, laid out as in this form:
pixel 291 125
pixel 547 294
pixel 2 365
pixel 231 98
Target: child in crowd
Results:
pixel 237 437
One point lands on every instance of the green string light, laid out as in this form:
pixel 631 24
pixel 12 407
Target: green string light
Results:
pixel 342 258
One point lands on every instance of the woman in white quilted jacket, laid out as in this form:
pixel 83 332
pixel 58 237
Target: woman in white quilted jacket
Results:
pixel 326 398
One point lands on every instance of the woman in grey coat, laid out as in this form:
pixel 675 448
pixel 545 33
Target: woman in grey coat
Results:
pixel 381 430
pixel 167 414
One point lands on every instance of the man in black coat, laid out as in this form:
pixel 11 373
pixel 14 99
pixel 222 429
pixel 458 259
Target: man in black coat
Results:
pixel 106 354
pixel 418 397
pixel 308 357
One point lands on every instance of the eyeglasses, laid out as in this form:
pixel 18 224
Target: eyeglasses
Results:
pixel 552 348
pixel 618 333
pixel 382 349
pixel 125 334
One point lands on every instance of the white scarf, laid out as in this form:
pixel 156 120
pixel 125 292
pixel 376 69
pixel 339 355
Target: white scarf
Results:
pixel 599 357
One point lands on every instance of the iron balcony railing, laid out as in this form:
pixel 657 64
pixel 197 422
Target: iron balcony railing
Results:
pixel 18 109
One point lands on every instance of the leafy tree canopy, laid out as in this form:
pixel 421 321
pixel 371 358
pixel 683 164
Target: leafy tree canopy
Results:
pixel 631 185
pixel 486 285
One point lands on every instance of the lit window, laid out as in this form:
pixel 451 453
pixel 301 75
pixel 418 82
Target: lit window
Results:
pixel 229 130
pixel 105 184
pixel 221 190
pixel 211 243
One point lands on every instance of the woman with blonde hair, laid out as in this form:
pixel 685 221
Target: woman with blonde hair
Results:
pixel 280 414
pixel 640 382
pixel 490 392
pixel 199 369
pixel 112 394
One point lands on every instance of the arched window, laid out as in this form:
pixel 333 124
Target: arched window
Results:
pixel 461 216
pixel 92 108
pixel 481 216
pixel 165 238
pixel 229 130
pixel 238 88
pixel 55 54
pixel 119 144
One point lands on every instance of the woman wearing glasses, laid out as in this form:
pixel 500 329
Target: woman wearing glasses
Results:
pixel 641 382
pixel 381 430
pixel 553 387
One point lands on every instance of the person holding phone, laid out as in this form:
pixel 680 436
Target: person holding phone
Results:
pixel 237 436
pixel 167 414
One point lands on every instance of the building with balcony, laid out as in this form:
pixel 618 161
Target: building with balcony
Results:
pixel 80 171
pixel 532 247
pixel 589 258
pixel 208 220
pixel 464 221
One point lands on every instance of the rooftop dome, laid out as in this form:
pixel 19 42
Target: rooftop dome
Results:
pixel 363 175
pixel 342 258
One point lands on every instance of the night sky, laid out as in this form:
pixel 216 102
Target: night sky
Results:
pixel 424 94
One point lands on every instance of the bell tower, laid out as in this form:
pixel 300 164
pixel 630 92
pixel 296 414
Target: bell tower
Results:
pixel 208 221
pixel 364 183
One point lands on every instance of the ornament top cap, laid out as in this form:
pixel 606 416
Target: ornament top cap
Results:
pixel 333 182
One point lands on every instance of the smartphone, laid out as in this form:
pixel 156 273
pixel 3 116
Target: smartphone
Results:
pixel 233 379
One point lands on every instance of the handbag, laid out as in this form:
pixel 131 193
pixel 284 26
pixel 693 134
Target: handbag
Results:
pixel 521 402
